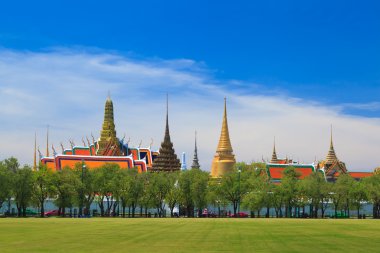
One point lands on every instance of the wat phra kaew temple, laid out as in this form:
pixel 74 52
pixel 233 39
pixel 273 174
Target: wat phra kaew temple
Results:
pixel 109 149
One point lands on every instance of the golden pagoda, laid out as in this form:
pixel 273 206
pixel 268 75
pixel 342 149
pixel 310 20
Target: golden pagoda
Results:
pixel 108 137
pixel 224 159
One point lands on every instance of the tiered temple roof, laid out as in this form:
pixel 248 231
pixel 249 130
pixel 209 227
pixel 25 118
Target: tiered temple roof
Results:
pixel 166 160
pixel 108 143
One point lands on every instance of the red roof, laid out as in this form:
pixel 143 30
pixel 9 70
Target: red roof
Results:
pixel 360 174
pixel 276 172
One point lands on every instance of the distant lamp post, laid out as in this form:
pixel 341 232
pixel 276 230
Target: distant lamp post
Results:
pixel 239 172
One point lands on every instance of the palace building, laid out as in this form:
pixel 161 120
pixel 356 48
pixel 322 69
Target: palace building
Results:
pixel 107 149
pixel 331 167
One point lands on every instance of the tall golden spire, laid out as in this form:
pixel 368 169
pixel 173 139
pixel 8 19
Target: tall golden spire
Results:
pixel 331 155
pixel 47 141
pixel 35 151
pixel 224 140
pixel 108 132
pixel 224 159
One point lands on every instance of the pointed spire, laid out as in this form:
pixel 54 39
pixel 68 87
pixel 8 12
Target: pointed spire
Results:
pixel 166 160
pixel 331 155
pixel 108 132
pixel 47 141
pixel 35 151
pixel 274 154
pixel 224 145
pixel 167 134
pixel 195 164
pixel 224 159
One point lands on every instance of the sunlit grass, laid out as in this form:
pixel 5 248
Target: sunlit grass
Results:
pixel 188 235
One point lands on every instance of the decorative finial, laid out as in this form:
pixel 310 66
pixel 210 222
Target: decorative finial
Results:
pixel 39 153
pixel 52 147
pixel 151 143
pixel 84 143
pixel 63 149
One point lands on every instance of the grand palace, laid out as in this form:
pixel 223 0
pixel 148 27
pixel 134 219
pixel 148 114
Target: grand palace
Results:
pixel 108 148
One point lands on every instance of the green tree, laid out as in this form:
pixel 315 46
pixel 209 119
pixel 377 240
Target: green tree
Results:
pixel 105 176
pixel 146 200
pixel 317 191
pixel 174 194
pixel 85 187
pixel 42 186
pixel 233 187
pixel 160 186
pixel 372 186
pixel 186 196
pixel 23 189
pixel 199 188
pixel 259 190
pixel 136 189
pixel 289 186
pixel 64 182
pixel 357 195
pixel 6 181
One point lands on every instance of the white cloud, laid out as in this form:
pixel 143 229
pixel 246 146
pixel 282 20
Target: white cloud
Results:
pixel 67 89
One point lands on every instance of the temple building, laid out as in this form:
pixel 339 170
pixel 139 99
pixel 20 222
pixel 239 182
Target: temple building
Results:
pixel 331 167
pixel 107 149
pixel 276 167
pixel 167 159
pixel 224 159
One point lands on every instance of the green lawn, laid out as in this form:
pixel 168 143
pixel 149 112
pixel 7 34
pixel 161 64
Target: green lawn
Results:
pixel 188 235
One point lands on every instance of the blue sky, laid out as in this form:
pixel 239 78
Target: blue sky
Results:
pixel 315 54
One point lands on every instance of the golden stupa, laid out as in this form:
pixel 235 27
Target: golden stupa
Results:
pixel 224 159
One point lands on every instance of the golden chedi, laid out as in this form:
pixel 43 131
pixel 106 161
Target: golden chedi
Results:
pixel 224 159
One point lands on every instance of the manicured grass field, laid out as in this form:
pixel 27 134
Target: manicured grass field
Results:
pixel 188 235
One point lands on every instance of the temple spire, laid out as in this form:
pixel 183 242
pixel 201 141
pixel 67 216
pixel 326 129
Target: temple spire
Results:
pixel 224 145
pixel 224 159
pixel 167 133
pixel 166 160
pixel 108 137
pixel 331 155
pixel 274 154
pixel 195 164
pixel 47 141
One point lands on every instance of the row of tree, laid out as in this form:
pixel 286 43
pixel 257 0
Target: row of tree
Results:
pixel 127 192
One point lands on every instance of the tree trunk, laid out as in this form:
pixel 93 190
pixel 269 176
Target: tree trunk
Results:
pixel 42 209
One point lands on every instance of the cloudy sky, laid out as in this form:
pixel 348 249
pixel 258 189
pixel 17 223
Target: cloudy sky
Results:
pixel 288 71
